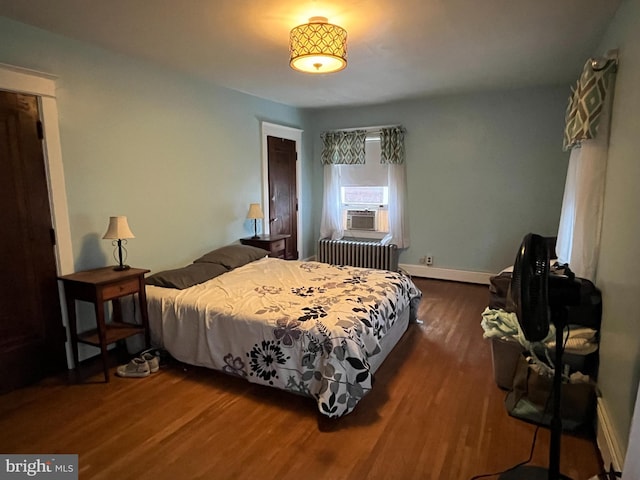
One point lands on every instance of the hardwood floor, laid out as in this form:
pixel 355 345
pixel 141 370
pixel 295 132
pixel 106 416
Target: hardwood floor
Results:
pixel 435 412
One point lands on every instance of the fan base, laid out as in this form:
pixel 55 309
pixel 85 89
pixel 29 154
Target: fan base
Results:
pixel 529 473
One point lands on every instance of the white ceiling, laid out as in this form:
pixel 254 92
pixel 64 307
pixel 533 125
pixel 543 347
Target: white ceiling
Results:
pixel 396 48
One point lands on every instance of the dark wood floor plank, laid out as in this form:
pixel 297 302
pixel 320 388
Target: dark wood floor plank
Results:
pixel 435 412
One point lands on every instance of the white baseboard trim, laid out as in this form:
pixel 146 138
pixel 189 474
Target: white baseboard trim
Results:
pixel 607 440
pixel 440 273
pixel 447 274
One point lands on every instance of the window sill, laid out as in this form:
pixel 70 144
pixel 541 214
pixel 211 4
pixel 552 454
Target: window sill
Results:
pixel 363 235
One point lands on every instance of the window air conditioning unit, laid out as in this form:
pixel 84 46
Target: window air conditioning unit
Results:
pixel 362 220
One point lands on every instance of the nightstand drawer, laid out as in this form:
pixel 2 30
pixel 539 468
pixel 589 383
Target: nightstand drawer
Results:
pixel 120 289
pixel 277 246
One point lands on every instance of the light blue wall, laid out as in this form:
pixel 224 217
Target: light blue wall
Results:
pixel 483 170
pixel 180 158
pixel 619 262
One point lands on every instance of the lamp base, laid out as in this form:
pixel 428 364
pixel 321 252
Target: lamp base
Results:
pixel 255 237
pixel 119 268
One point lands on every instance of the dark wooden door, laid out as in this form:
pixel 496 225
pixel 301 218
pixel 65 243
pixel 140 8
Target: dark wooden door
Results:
pixel 31 333
pixel 283 198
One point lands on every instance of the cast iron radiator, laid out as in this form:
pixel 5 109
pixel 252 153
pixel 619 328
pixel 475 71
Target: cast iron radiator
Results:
pixel 358 254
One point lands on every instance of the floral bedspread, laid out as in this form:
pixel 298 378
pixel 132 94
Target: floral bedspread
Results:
pixel 306 327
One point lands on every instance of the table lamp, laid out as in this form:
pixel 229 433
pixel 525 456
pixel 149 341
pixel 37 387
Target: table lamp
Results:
pixel 255 213
pixel 119 231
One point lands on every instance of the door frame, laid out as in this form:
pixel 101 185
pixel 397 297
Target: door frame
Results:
pixel 290 133
pixel 42 85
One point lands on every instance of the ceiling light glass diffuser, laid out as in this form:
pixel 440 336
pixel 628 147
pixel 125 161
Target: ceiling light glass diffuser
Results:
pixel 318 47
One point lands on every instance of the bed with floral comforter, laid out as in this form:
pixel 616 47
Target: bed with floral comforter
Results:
pixel 305 327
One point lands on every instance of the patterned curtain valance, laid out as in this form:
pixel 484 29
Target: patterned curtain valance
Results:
pixel 586 103
pixel 392 145
pixel 343 147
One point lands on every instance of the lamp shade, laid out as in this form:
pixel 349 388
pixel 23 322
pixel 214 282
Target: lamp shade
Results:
pixel 255 211
pixel 118 229
pixel 318 47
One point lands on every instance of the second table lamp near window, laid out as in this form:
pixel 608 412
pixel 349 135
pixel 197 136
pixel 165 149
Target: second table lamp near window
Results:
pixel 255 213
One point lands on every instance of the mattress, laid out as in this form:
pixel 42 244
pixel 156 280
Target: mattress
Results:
pixel 304 327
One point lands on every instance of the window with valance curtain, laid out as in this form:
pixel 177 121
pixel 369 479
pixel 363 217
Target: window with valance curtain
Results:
pixel 344 151
pixel 344 147
pixel 587 136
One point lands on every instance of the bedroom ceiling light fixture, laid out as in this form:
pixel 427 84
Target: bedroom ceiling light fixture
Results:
pixel 119 231
pixel 255 213
pixel 318 47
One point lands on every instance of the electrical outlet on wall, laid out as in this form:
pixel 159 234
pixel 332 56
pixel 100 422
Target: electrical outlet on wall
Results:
pixel 428 260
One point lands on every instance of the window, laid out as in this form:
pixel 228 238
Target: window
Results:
pixel 364 195
pixel 365 185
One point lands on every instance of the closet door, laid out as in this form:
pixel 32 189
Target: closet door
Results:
pixel 32 338
pixel 283 198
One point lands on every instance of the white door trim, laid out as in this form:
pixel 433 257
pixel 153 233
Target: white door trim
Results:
pixel 295 134
pixel 42 85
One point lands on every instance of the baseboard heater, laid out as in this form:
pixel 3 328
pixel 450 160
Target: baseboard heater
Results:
pixel 358 254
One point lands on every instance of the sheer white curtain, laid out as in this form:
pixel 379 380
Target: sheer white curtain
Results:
pixel 393 154
pixel 331 222
pixel 578 242
pixel 340 148
pixel 398 225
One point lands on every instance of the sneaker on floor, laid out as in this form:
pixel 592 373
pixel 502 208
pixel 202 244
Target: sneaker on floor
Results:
pixel 136 368
pixel 152 360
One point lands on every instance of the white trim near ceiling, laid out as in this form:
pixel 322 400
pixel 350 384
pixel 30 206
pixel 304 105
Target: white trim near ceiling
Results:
pixel 295 134
pixel 42 85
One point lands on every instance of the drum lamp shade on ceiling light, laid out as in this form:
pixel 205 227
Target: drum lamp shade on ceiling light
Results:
pixel 318 47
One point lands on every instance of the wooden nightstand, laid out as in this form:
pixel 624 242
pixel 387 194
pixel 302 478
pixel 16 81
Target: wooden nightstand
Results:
pixel 274 244
pixel 99 286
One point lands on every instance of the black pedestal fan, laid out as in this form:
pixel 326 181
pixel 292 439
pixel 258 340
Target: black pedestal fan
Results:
pixel 540 299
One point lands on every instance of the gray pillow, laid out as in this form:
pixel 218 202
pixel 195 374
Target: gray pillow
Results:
pixel 186 277
pixel 233 256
